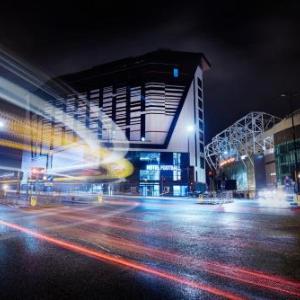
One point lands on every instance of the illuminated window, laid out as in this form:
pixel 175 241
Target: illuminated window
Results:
pixel 179 190
pixel 176 159
pixel 175 72
pixel 150 156
pixel 149 175
pixel 176 164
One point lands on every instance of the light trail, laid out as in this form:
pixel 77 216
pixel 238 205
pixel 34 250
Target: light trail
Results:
pixel 114 223
pixel 36 132
pixel 123 262
pixel 16 95
pixel 251 277
pixel 257 279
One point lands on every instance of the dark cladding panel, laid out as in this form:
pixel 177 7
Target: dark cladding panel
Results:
pixel 286 135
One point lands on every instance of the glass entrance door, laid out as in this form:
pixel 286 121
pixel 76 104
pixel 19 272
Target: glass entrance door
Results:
pixel 149 189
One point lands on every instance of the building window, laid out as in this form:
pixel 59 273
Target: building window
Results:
pixel 199 93
pixel 202 162
pixel 146 175
pixel 200 103
pixel 200 125
pixel 200 114
pixel 199 81
pixel 201 147
pixel 176 174
pixel 150 157
pixel 176 164
pixel 201 136
pixel 179 190
pixel 176 159
pixel 175 72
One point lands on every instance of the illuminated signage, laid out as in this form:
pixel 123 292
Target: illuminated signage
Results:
pixel 161 167
pixel 227 161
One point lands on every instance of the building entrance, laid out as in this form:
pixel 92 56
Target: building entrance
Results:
pixel 149 189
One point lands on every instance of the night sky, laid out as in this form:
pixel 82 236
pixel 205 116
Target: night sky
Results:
pixel 254 47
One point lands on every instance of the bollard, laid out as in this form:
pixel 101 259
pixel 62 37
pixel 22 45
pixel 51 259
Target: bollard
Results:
pixel 100 198
pixel 200 198
pixel 33 201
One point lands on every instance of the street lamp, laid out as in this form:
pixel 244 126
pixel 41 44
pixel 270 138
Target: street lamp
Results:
pixel 190 128
pixel 2 124
pixel 4 188
pixel 290 99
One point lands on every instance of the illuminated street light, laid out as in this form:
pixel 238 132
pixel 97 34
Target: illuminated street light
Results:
pixel 5 187
pixel 190 128
pixel 2 124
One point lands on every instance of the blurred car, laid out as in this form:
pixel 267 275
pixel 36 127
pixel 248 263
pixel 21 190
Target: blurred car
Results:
pixel 197 194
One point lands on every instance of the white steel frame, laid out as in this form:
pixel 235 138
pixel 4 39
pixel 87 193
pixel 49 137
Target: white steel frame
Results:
pixel 241 140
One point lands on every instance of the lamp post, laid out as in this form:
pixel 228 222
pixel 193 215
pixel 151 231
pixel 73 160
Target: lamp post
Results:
pixel 296 171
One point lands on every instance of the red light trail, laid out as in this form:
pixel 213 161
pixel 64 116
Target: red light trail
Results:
pixel 123 262
pixel 252 277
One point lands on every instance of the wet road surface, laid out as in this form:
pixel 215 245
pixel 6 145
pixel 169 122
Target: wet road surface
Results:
pixel 150 249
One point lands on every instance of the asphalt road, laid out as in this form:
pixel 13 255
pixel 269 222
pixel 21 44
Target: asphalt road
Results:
pixel 150 249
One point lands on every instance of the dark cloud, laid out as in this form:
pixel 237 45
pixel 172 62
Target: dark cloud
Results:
pixel 253 46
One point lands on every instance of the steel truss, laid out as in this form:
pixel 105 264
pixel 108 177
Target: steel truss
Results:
pixel 241 140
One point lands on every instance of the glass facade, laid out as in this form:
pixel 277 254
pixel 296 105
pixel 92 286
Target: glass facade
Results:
pixel 159 173
pixel 285 160
pixel 176 164
pixel 180 190
pixel 150 157
pixel 149 175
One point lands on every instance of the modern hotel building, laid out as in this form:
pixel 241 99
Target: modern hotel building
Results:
pixel 156 101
